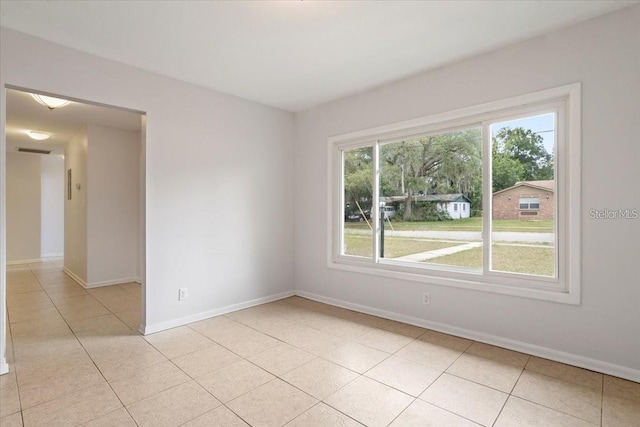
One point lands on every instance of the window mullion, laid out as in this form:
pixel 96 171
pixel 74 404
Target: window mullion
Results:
pixel 487 192
pixel 375 204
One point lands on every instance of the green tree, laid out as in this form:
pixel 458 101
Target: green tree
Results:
pixel 445 163
pixel 519 155
pixel 358 169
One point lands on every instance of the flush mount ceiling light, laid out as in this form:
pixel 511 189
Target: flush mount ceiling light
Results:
pixel 37 135
pixel 50 102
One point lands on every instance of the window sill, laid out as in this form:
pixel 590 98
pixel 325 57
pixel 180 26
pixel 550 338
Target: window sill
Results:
pixel 464 280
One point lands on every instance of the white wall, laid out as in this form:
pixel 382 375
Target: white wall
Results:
pixel 602 332
pixel 52 206
pixel 23 207
pixel 218 172
pixel 113 180
pixel 75 210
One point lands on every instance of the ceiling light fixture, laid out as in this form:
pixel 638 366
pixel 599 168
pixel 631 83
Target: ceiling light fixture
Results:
pixel 39 136
pixel 50 102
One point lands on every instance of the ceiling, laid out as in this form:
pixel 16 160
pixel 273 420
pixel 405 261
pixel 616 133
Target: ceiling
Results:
pixel 292 54
pixel 25 114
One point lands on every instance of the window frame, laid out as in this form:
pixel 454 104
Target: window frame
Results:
pixel 565 101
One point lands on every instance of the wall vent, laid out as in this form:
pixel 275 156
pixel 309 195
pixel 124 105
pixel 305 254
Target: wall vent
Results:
pixel 33 150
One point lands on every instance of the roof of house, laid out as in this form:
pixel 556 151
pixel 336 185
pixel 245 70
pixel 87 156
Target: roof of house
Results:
pixel 455 197
pixel 545 185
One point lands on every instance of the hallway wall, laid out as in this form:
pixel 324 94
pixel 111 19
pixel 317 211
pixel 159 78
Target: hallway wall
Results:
pixel 23 207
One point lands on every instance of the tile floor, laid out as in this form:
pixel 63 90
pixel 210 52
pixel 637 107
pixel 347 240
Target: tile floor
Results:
pixel 77 359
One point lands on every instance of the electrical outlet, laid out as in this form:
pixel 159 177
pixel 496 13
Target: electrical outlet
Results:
pixel 182 294
pixel 426 298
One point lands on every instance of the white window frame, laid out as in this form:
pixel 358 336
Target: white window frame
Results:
pixel 565 101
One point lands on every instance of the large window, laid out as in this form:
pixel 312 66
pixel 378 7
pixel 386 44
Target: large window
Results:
pixel 486 197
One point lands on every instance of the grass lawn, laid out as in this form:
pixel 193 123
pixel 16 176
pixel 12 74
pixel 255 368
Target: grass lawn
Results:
pixel 394 247
pixel 515 259
pixel 466 224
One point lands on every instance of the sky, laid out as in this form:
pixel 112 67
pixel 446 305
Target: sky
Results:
pixel 541 125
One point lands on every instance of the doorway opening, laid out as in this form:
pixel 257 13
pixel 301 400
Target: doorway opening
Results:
pixel 74 210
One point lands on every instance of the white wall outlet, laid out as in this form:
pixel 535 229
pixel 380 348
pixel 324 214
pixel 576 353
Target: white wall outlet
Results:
pixel 426 298
pixel 182 294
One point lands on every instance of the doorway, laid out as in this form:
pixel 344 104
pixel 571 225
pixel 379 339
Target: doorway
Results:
pixel 96 153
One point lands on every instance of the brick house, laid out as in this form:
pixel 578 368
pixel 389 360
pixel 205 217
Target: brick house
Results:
pixel 526 200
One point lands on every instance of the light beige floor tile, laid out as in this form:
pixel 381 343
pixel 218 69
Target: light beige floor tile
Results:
pixel 132 318
pixel 148 381
pixel 391 325
pixel 579 401
pixel 234 380
pixel 59 383
pixel 22 287
pixel 205 361
pixel 80 307
pixel 357 357
pixel 469 400
pixel 522 413
pixel 107 325
pixel 65 290
pixel 319 378
pixel 423 414
pixel 498 354
pixel 262 317
pixel 14 420
pixel 498 375
pixel 310 339
pixel 18 315
pixel 29 299
pixel 428 354
pixel 272 404
pixel 73 409
pixel 407 376
pixel 248 342
pixel 173 407
pixel 218 327
pixel 322 415
pixel 369 402
pixel 340 327
pixel 281 359
pixel 118 418
pixel 178 341
pixel 389 342
pixel 446 340
pixel 8 379
pixel 133 288
pixel 221 416
pixel 124 356
pixel 115 298
pixel 10 402
pixel 45 326
pixel 566 372
pixel 624 389
pixel 619 412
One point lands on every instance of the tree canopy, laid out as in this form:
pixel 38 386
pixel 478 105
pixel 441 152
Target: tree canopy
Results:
pixel 445 163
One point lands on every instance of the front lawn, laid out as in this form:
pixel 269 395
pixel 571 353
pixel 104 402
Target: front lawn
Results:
pixel 394 247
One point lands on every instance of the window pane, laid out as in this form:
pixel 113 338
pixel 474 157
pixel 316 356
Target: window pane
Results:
pixel 434 183
pixel 358 193
pixel 524 209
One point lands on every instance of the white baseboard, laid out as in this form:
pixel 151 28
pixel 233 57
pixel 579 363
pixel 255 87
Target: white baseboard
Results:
pixel 162 326
pixel 74 277
pixel 523 347
pixel 4 366
pixel 24 261
pixel 112 282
